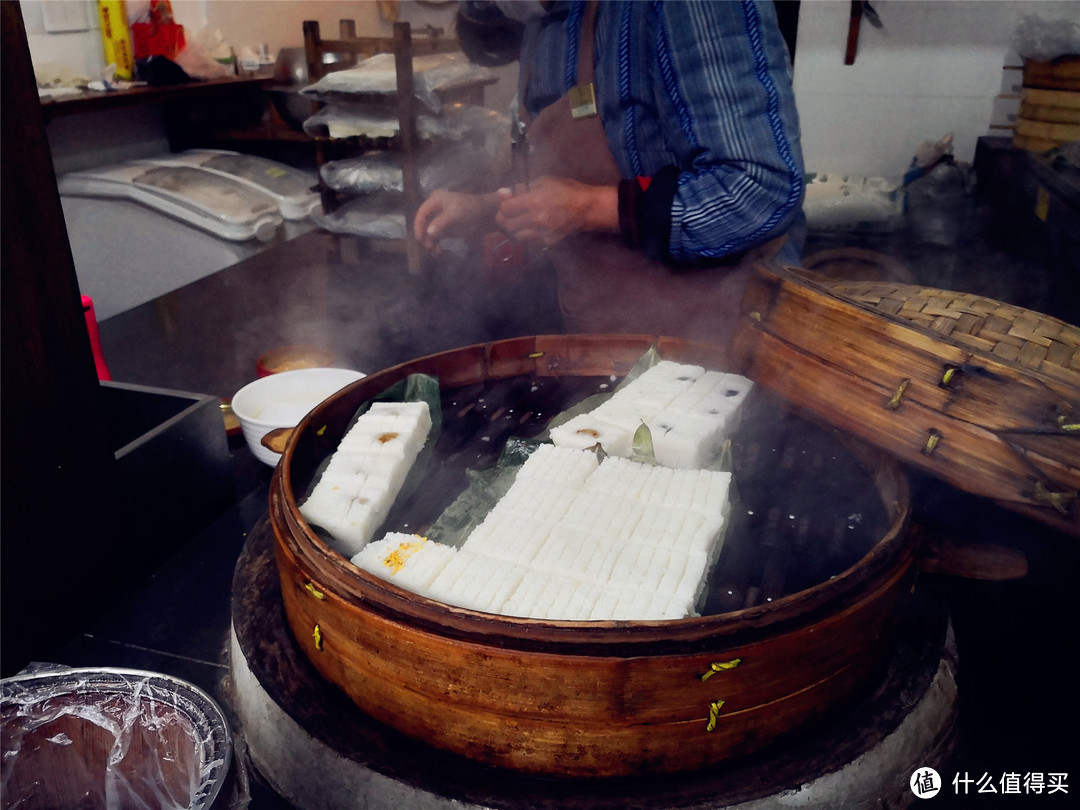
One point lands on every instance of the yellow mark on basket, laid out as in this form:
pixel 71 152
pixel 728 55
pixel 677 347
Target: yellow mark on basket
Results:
pixel 721 666
pixel 1066 426
pixel 317 635
pixel 714 713
pixel 933 438
pixel 894 403
pixel 1058 500
pixel 321 431
pixel 535 355
pixel 314 591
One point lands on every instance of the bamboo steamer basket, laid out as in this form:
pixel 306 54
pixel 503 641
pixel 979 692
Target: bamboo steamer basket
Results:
pixel 982 394
pixel 581 699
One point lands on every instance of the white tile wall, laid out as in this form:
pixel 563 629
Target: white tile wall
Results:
pixel 935 68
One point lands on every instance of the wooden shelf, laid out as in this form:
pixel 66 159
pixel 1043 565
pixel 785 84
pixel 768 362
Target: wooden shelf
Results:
pixel 94 100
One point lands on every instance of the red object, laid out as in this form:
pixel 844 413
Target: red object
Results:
pixel 501 254
pixel 95 338
pixel 158 35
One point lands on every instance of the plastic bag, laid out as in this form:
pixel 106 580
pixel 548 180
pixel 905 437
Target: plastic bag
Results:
pixel 378 75
pixel 1046 40
pixel 339 120
pixel 111 738
pixel 371 218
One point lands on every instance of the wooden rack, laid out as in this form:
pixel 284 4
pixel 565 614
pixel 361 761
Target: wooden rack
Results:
pixel 404 47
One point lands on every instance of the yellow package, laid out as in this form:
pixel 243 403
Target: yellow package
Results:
pixel 116 37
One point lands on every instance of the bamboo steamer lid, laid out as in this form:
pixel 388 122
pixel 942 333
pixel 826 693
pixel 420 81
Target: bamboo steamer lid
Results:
pixel 983 394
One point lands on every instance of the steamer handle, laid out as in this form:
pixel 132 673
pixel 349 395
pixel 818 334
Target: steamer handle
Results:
pixel 276 439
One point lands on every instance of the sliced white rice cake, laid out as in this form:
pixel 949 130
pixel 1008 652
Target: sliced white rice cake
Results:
pixel 330 499
pixel 524 598
pixel 509 537
pixel 664 527
pixel 656 481
pixel 503 578
pixel 561 550
pixel 704 385
pixel 554 601
pixel 365 515
pixel 662 382
pixel 671 606
pixel 408 560
pixel 539 499
pixel 381 440
pixel 721 401
pixel 632 565
pixel 559 465
pixel 686 442
pixel 627 412
pixel 462 565
pixel 672 370
pixel 619 477
pixel 466 589
pixel 636 605
pixel 416 413
pixel 712 492
pixel 486 586
pixel 410 421
pixel 604 513
pixel 673 572
pixel 580 606
pixel 363 464
pixel 598 569
pixel 585 431
pixel 620 603
pixel 691 586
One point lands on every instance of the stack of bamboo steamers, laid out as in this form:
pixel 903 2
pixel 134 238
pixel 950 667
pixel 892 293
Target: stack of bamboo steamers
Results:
pixel 1050 112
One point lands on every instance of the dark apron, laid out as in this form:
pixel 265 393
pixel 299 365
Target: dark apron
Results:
pixel 605 287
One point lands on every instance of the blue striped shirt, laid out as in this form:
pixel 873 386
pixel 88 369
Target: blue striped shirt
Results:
pixel 702 86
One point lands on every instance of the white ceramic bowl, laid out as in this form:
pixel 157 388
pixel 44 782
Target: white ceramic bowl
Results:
pixel 282 400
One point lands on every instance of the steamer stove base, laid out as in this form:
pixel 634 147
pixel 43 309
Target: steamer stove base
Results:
pixel 318 750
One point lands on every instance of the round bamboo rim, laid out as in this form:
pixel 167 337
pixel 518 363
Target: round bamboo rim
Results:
pixel 299 547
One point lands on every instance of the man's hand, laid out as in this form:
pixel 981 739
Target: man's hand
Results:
pixel 549 209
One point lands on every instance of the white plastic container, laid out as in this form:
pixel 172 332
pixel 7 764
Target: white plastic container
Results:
pixel 212 202
pixel 289 187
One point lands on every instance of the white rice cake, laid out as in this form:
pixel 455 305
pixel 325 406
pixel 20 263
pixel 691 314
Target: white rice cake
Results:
pixel 549 501
pixel 364 475
pixel 586 430
pixel 486 586
pixel 559 465
pixel 407 560
pixel 458 574
pixel 717 393
pixel 686 442
pixel 510 537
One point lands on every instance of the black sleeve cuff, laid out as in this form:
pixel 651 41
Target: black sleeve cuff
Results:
pixel 653 214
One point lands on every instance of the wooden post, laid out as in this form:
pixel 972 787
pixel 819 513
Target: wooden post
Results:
pixel 406 121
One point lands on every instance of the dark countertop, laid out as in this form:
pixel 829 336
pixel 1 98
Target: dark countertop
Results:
pixel 1017 713
pixel 324 290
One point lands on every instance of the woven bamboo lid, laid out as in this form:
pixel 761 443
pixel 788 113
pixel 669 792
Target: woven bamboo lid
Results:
pixel 981 393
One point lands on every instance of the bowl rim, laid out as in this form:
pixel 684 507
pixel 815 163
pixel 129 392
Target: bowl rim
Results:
pixel 347 375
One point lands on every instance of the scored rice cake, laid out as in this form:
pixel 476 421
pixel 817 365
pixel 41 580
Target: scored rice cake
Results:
pixel 407 560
